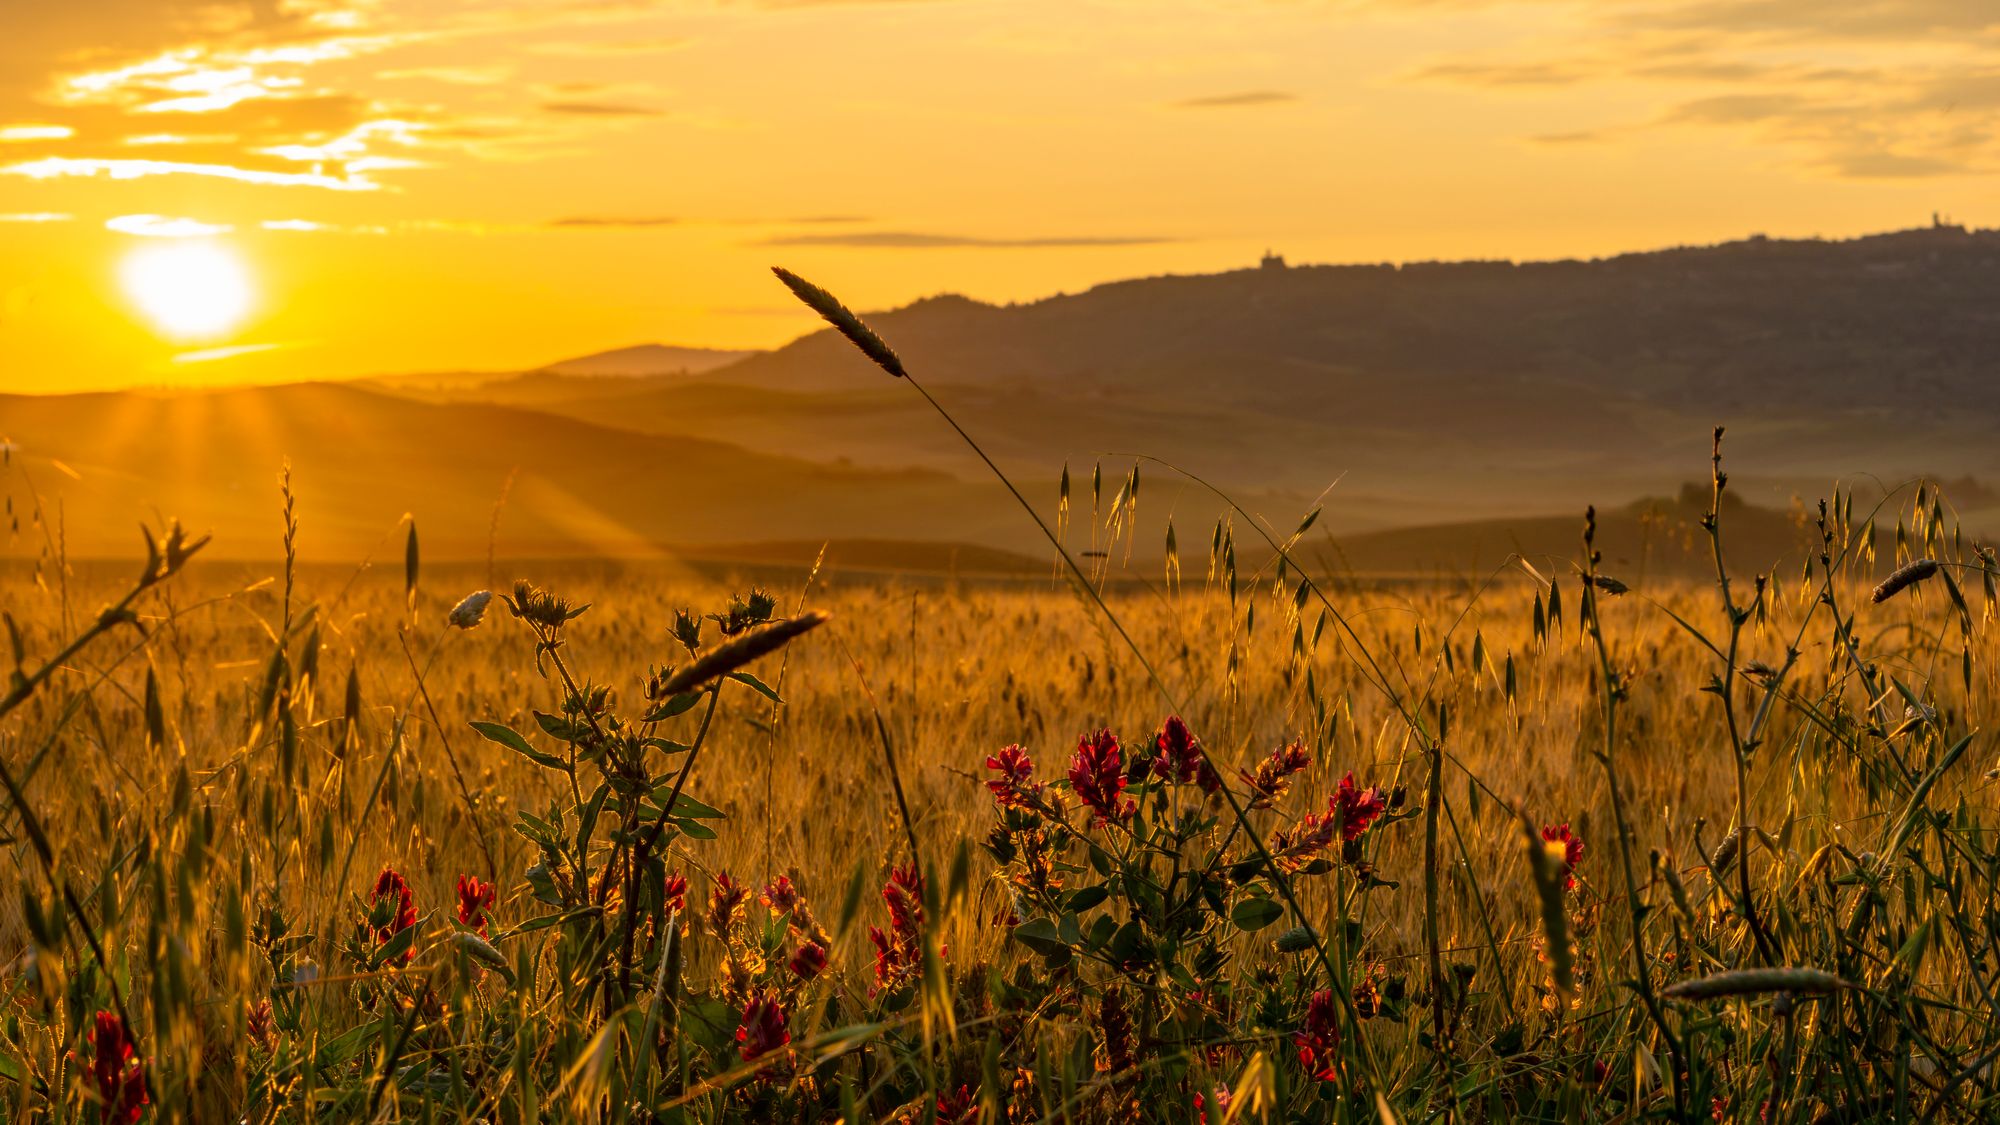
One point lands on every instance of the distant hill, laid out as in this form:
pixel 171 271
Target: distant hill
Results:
pixel 1431 392
pixel 360 459
pixel 1440 409
pixel 649 359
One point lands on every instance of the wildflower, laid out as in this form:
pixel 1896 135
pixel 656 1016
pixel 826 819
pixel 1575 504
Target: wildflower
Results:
pixel 1358 808
pixel 676 892
pixel 725 905
pixel 1114 1022
pixel 1273 776
pixel 1367 997
pixel 1177 755
pixel 394 909
pixel 120 1076
pixel 1221 1097
pixel 474 897
pixel 957 1108
pixel 809 961
pixel 1095 776
pixel 1572 851
pixel 467 614
pixel 1038 866
pixel 780 895
pixel 1319 1037
pixel 904 892
pixel 258 1022
pixel 899 949
pixel 1011 787
pixel 762 1029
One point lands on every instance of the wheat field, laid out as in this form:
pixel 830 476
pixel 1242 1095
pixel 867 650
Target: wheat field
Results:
pixel 245 814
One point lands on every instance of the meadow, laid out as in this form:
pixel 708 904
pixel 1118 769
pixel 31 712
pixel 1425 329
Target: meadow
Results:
pixel 1217 838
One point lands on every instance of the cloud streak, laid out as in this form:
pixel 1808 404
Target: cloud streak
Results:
pixel 914 240
pixel 56 167
pixel 1243 100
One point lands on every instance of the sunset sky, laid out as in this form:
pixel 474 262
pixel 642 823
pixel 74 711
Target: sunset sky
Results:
pixel 204 191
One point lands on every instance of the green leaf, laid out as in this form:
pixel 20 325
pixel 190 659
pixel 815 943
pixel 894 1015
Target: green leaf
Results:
pixel 686 806
pixel 1083 898
pixel 1254 914
pixel 693 829
pixel 505 736
pixel 755 684
pixel 555 726
pixel 1039 934
pixel 672 705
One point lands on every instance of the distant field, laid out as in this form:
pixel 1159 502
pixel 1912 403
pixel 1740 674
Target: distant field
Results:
pixel 209 791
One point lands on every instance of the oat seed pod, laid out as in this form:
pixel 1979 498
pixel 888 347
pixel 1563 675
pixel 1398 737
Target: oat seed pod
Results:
pixel 727 658
pixel 838 315
pixel 1905 577
pixel 1752 982
pixel 467 613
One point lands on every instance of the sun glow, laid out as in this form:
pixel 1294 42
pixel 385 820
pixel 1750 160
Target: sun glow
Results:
pixel 189 290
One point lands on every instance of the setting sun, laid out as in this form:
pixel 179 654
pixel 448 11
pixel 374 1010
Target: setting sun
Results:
pixel 190 291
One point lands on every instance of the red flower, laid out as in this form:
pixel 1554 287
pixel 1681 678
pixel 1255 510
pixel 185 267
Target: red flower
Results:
pixel 780 895
pixel 1177 755
pixel 762 1029
pixel 899 950
pixel 1319 1039
pixel 402 904
pixel 1222 1096
pixel 1273 776
pixel 1095 775
pixel 725 905
pixel 955 1109
pixel 473 899
pixel 120 1077
pixel 1012 786
pixel 1358 808
pixel 1572 851
pixel 676 892
pixel 809 961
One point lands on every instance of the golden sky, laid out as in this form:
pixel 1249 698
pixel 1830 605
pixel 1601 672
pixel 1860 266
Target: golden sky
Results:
pixel 202 191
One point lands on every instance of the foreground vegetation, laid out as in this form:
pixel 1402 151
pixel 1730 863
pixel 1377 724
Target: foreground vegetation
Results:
pixel 1223 846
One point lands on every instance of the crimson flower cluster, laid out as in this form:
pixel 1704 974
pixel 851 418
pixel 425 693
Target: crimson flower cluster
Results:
pixel 119 1074
pixel 726 905
pixel 899 951
pixel 474 899
pixel 1097 778
pixel 762 1029
pixel 1318 1039
pixel 1178 757
pixel 1572 850
pixel 391 885
pixel 1012 788
pixel 1273 775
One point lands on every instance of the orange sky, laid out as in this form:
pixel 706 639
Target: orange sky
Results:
pixel 403 185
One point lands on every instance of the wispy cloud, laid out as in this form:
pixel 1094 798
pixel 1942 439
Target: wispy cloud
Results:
pixel 1241 100
pixel 913 240
pixel 33 217
pixel 63 166
pixel 21 134
pixel 616 222
pixel 161 226
pixel 601 109
pixel 210 355
pixel 1860 89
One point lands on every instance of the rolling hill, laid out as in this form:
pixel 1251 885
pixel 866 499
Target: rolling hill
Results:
pixel 1443 410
